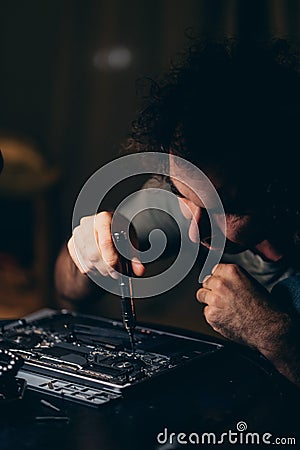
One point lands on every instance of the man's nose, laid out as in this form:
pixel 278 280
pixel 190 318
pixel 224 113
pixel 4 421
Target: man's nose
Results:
pixel 192 213
pixel 194 225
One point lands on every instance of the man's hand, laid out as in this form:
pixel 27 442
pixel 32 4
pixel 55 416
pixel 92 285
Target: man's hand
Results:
pixel 239 308
pixel 91 247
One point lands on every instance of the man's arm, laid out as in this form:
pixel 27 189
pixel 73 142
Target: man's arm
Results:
pixel 284 353
pixel 91 246
pixel 240 309
pixel 70 283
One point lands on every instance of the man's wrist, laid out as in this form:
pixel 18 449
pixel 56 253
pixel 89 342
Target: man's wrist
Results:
pixel 283 351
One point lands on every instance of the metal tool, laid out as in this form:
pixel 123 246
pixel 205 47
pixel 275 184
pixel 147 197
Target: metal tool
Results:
pixel 127 302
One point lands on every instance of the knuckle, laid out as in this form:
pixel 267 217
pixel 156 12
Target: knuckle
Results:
pixel 70 243
pixel 72 251
pixel 218 284
pixel 86 266
pixel 101 269
pixel 104 216
pixel 111 260
pixel 108 251
pixel 76 231
pixel 94 257
pixel 85 220
pixel 214 299
pixel 105 243
pixel 232 269
pixel 76 240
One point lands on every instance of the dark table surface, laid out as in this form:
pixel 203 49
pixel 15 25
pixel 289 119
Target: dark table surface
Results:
pixel 229 390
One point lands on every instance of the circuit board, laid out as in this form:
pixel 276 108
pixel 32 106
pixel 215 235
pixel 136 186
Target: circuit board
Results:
pixel 70 354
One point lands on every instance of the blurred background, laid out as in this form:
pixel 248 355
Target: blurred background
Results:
pixel 67 99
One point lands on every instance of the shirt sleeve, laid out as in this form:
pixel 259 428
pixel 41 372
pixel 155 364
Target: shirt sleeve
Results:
pixel 288 290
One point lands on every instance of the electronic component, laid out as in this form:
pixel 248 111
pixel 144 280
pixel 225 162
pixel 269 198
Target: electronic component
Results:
pixel 89 359
pixel 11 388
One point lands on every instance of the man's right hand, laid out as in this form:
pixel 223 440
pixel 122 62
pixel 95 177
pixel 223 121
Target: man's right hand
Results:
pixel 92 249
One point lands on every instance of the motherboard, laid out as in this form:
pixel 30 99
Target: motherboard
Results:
pixel 89 359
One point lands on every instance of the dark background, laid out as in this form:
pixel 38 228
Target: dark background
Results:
pixel 59 89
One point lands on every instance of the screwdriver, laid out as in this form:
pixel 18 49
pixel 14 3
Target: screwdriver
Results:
pixel 127 302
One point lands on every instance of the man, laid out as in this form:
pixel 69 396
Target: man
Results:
pixel 232 109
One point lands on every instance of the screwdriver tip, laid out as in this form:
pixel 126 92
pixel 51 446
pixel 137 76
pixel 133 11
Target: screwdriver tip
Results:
pixel 132 341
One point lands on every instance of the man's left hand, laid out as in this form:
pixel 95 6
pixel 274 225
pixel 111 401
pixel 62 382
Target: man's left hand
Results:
pixel 241 309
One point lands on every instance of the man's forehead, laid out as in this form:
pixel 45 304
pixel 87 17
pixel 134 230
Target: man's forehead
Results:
pixel 193 183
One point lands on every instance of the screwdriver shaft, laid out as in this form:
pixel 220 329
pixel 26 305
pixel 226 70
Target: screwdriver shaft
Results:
pixel 125 283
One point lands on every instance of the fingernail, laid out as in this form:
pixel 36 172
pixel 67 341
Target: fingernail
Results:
pixel 114 274
pixel 135 260
pixel 214 268
pixel 206 278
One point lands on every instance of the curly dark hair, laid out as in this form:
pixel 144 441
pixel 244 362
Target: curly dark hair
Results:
pixel 232 106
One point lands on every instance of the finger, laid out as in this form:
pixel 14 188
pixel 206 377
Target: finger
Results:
pixel 104 269
pixel 137 267
pixel 226 270
pixel 202 294
pixel 73 253
pixel 209 297
pixel 85 245
pixel 214 271
pixel 214 283
pixel 216 268
pixel 110 255
pixel 104 239
pixel 119 222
